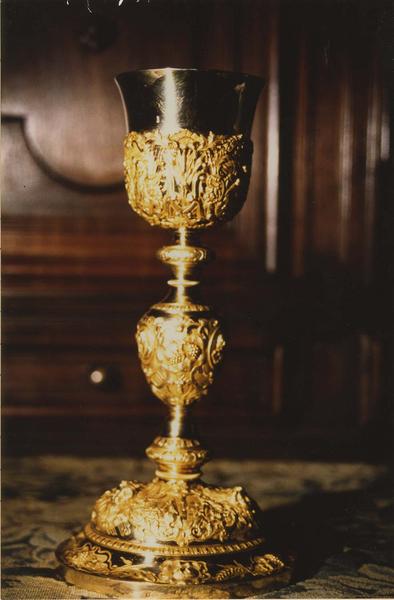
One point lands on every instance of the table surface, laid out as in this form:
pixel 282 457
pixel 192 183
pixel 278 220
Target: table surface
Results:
pixel 335 517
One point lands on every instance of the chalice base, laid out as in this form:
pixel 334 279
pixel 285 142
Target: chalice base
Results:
pixel 115 588
pixel 219 576
pixel 170 539
pixel 111 564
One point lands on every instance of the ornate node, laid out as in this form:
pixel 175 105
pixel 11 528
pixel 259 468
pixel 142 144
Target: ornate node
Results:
pixel 178 353
pixel 186 179
pixel 162 512
pixel 188 255
pixel 81 554
pixel 177 458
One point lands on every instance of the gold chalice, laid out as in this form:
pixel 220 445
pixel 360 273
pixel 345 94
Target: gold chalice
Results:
pixel 187 167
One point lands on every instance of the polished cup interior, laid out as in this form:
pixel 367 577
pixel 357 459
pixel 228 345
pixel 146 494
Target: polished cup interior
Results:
pixel 201 101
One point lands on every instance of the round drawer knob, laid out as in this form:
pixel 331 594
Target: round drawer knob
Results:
pixel 98 376
pixel 104 378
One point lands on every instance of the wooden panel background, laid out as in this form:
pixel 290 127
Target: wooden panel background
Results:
pixel 301 276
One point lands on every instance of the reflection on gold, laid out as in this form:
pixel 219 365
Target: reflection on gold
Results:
pixel 175 424
pixel 170 122
pixel 114 587
pixel 164 511
pixel 148 559
pixel 84 555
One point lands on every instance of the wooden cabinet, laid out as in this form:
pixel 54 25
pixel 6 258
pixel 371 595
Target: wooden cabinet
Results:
pixel 301 276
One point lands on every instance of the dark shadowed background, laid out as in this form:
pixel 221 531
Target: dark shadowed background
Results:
pixel 302 276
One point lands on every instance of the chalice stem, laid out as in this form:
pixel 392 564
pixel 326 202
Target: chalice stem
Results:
pixel 184 358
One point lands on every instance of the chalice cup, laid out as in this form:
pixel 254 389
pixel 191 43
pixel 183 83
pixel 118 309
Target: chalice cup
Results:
pixel 187 166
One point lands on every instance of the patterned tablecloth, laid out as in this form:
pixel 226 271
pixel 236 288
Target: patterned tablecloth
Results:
pixel 336 517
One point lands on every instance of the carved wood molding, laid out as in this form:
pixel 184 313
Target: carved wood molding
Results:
pixel 49 171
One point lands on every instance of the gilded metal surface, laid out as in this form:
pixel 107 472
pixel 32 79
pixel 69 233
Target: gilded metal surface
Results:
pixel 198 100
pixel 180 174
pixel 189 255
pixel 176 308
pixel 169 550
pixel 186 179
pixel 185 454
pixel 175 511
pixel 178 354
pixel 113 587
pixel 89 557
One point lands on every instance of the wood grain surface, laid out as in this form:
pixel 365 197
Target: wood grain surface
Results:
pixel 301 275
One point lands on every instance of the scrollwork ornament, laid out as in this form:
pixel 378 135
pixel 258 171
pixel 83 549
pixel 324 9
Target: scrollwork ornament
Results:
pixel 86 556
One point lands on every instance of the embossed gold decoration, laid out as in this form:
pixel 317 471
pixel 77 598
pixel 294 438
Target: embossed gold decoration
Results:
pixel 186 179
pixel 89 557
pixel 177 458
pixel 176 530
pixel 178 354
pixel 175 511
pixel 200 550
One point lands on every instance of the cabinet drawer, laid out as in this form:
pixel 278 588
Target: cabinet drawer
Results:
pixel 103 382
pixel 73 382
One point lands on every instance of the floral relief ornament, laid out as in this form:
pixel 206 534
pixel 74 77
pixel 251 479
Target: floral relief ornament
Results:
pixel 178 354
pixel 175 512
pixel 91 558
pixel 186 179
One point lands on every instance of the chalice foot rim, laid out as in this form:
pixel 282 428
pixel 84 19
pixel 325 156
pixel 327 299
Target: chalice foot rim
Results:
pixel 225 576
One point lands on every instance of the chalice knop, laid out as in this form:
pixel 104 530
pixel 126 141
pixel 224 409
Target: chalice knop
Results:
pixel 187 167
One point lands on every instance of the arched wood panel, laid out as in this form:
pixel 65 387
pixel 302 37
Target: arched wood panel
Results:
pixel 298 276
